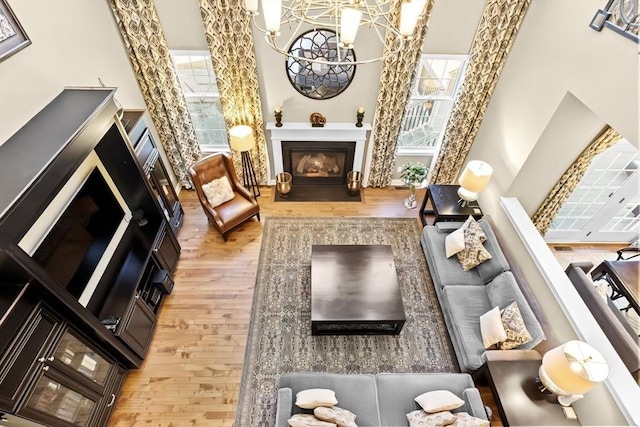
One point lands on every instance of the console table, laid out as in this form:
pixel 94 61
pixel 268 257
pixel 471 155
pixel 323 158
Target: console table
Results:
pixel 444 205
pixel 519 401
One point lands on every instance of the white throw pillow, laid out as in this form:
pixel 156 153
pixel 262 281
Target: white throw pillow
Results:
pixel 314 397
pixel 218 191
pixel 491 328
pixel 438 401
pixel 454 242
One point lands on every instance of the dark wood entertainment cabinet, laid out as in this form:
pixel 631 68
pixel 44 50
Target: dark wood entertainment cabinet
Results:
pixel 60 365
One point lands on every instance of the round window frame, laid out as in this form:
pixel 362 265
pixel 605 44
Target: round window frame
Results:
pixel 295 45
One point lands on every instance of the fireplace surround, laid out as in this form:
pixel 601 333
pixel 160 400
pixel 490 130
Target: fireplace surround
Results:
pixel 328 140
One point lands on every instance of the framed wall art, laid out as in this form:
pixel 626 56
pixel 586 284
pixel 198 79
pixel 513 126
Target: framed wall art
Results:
pixel 12 36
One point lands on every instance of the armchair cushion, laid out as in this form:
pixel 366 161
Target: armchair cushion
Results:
pixel 218 191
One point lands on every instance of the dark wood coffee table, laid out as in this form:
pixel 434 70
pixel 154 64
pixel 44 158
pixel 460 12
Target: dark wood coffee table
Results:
pixel 354 291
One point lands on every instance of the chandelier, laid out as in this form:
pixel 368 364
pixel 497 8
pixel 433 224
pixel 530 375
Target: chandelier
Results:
pixel 344 17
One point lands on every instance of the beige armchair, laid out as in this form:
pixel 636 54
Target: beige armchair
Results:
pixel 230 214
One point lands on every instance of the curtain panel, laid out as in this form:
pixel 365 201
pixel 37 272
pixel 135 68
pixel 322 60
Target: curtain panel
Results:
pixel 494 37
pixel 551 205
pixel 394 91
pixel 228 31
pixel 153 67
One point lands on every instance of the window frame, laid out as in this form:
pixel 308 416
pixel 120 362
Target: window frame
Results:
pixel 434 150
pixel 205 148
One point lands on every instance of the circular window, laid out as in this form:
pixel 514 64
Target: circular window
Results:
pixel 317 79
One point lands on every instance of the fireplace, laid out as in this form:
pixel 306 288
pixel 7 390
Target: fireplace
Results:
pixel 316 162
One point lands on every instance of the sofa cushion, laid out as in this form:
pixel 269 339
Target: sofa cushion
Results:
pixel 362 403
pixel 420 418
pixel 397 391
pixel 465 305
pixel 502 291
pixel 474 253
pixel 498 263
pixel 444 271
pixel 438 401
pixel 515 328
pixel 314 397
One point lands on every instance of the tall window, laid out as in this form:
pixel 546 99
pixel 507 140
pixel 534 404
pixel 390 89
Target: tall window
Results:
pixel 198 82
pixel 433 94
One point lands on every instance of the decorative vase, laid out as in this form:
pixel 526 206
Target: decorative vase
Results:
pixel 284 184
pixel 410 202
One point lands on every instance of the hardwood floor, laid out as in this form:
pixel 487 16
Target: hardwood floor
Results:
pixel 191 374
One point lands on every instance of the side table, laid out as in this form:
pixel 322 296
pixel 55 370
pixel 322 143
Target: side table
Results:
pixel 519 401
pixel 444 205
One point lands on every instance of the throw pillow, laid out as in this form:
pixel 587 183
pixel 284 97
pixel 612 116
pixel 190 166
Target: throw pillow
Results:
pixel 419 418
pixel 473 253
pixel 218 191
pixel 438 400
pixel 314 397
pixel 513 323
pixel 465 420
pixel 491 328
pixel 307 420
pixel 454 242
pixel 340 417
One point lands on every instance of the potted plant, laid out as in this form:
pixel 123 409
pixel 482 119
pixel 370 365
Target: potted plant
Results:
pixel 413 174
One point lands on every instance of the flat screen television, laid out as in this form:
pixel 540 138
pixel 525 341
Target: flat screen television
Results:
pixel 77 241
pixel 74 239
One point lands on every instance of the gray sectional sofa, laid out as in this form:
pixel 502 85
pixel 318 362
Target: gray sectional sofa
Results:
pixel 377 400
pixel 466 295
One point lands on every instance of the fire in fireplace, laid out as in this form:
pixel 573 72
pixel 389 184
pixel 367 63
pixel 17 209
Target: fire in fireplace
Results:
pixel 311 162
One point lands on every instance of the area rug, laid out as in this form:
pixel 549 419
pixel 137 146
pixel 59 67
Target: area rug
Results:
pixel 280 338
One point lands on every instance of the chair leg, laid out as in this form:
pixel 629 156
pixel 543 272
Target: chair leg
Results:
pixel 258 216
pixel 225 236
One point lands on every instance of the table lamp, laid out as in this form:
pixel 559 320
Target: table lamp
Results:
pixel 473 179
pixel 242 139
pixel 570 370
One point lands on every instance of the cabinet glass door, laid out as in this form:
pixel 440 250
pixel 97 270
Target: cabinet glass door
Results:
pixel 55 399
pixel 81 358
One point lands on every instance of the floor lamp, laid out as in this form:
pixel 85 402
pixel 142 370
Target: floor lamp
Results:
pixel 242 140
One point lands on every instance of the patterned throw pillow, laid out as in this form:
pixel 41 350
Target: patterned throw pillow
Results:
pixel 465 420
pixel 314 397
pixel 473 253
pixel 341 417
pixel 218 191
pixel 513 323
pixel 307 420
pixel 420 418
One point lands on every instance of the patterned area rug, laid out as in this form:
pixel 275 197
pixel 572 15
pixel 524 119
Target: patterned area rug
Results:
pixel 280 338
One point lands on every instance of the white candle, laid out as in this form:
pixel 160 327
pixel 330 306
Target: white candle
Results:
pixel 278 109
pixel 361 109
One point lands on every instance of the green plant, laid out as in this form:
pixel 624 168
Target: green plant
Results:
pixel 413 173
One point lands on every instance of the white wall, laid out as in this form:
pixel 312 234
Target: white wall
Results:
pixel 73 43
pixel 555 53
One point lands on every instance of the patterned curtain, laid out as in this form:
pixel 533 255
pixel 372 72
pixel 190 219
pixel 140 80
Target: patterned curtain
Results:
pixel 228 31
pixel 494 37
pixel 149 55
pixel 550 207
pixel 394 92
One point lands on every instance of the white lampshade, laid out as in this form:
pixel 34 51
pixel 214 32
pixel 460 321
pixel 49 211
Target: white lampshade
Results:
pixel 242 138
pixel 474 179
pixel 272 11
pixel 572 368
pixel 349 24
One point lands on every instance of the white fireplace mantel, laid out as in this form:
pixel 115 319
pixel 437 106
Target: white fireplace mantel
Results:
pixel 330 132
